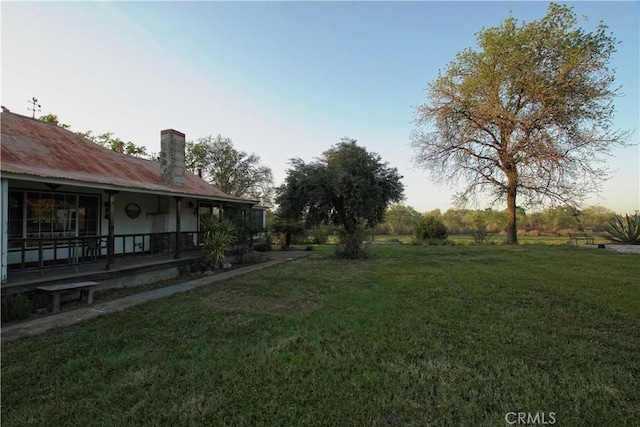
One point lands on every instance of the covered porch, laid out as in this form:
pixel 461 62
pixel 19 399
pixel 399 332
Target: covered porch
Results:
pixel 67 203
pixel 124 272
pixel 72 230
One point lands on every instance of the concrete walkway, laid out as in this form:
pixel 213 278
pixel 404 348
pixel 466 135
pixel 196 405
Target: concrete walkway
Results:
pixel 625 249
pixel 43 324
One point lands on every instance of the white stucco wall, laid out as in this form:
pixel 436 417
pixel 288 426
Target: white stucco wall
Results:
pixel 158 215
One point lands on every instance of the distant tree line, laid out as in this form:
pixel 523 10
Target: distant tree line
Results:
pixel 401 219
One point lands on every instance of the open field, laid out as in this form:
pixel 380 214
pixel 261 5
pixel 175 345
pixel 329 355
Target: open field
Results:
pixel 436 335
pixel 496 239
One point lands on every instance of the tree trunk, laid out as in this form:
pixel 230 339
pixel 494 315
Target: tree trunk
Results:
pixel 352 240
pixel 352 245
pixel 512 232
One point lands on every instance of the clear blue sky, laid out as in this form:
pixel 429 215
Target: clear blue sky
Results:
pixel 281 79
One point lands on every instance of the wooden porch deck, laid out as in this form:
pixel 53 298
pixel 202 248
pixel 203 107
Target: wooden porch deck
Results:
pixel 27 280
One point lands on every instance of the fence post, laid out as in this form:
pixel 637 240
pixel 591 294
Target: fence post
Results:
pixel 40 257
pixel 178 200
pixel 111 238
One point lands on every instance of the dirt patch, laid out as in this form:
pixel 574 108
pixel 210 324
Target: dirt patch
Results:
pixel 277 306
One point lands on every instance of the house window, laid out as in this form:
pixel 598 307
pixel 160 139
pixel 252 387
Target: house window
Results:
pixel 51 215
pixel 231 213
pixel 35 214
pixel 88 215
pixel 256 217
pixel 205 211
pixel 16 214
pixel 208 209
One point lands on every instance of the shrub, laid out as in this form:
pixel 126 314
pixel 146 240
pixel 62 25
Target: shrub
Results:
pixel 431 242
pixel 624 230
pixel 262 247
pixel 281 228
pixel 319 235
pixel 479 230
pixel 251 258
pixel 16 307
pixel 190 268
pixel 430 227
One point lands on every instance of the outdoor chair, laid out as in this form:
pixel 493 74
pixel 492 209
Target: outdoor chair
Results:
pixel 92 248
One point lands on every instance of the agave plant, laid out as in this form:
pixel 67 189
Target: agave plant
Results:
pixel 624 230
pixel 218 237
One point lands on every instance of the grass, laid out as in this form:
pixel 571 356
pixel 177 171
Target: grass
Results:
pixel 446 335
pixel 495 239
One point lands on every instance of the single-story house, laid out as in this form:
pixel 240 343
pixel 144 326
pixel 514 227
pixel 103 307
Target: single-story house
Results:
pixel 65 199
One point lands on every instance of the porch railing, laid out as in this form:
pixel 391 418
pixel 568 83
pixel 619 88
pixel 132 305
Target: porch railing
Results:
pixel 46 252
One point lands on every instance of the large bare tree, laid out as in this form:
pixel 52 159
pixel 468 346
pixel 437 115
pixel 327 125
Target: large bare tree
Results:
pixel 528 115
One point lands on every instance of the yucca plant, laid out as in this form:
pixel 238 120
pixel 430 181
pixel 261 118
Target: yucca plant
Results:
pixel 218 237
pixel 624 230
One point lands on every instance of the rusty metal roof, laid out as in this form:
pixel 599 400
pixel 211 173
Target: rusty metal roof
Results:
pixel 39 149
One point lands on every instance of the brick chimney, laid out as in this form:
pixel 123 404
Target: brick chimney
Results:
pixel 172 157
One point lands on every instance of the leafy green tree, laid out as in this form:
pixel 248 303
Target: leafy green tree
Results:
pixel 348 187
pixel 455 221
pixel 435 212
pixel 233 171
pixel 286 230
pixel 527 115
pixel 430 227
pixel 560 218
pixel 595 218
pixel 319 235
pixel 482 223
pixel 401 218
pixel 534 222
pixel 108 140
pixel 52 118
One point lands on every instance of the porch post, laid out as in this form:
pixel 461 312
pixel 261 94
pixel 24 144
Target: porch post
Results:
pixel 4 221
pixel 178 204
pixel 111 238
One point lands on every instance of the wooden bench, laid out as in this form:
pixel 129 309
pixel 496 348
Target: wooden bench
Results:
pixel 573 240
pixel 588 240
pixel 54 293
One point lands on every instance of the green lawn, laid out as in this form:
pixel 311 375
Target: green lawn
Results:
pixel 437 335
pixel 497 239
